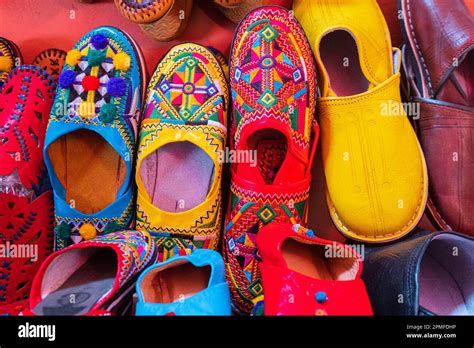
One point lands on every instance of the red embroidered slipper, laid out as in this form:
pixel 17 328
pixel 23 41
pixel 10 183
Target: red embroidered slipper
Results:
pixel 94 277
pixel 26 210
pixel 272 76
pixel 303 274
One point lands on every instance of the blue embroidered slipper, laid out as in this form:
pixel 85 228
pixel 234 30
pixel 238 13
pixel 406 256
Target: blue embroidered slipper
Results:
pixel 185 285
pixel 91 136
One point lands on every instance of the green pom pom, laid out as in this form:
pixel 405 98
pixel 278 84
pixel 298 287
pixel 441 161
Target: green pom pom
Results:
pixel 107 113
pixel 112 226
pixel 63 230
pixel 95 57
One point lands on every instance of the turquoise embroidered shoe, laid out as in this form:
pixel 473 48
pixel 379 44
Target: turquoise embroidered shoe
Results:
pixel 185 285
pixel 91 137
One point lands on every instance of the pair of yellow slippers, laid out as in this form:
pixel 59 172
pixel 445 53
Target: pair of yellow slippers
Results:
pixel 377 181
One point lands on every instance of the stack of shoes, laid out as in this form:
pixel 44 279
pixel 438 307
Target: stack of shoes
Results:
pixel 91 138
pixel 26 207
pixel 169 242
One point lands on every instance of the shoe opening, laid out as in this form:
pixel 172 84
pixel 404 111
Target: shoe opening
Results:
pixel 178 176
pixel 311 260
pixel 340 57
pixel 446 285
pixel 76 280
pixel 177 281
pixel 271 148
pixel 88 168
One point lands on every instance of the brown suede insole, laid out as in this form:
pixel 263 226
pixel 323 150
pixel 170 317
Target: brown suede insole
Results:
pixel 178 282
pixel 340 58
pixel 310 260
pixel 89 169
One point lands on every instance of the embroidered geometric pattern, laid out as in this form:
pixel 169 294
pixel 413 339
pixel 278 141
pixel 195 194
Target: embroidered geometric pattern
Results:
pixel 268 77
pixel 247 218
pixel 103 224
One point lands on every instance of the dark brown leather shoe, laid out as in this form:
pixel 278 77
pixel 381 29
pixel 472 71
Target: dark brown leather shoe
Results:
pixel 439 70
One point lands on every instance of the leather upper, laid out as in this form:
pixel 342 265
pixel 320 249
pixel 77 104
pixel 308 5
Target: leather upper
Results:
pixel 362 21
pixel 287 291
pixel 446 135
pixel 392 273
pixel 213 300
pixel 438 58
pixel 442 33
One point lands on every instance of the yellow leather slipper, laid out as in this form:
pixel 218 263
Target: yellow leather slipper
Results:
pixel 375 170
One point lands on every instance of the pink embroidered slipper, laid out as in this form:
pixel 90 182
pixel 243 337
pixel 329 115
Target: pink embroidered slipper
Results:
pixel 95 277
pixel 26 207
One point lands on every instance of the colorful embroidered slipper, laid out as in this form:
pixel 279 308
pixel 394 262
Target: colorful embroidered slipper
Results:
pixel 91 137
pixel 10 57
pixel 182 140
pixel 52 60
pixel 377 182
pixel 185 285
pixel 439 66
pixel 163 20
pixel 303 274
pixel 26 200
pixel 273 83
pixel 98 274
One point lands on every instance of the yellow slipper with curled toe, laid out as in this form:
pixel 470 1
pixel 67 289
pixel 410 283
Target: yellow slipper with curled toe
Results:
pixel 375 170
